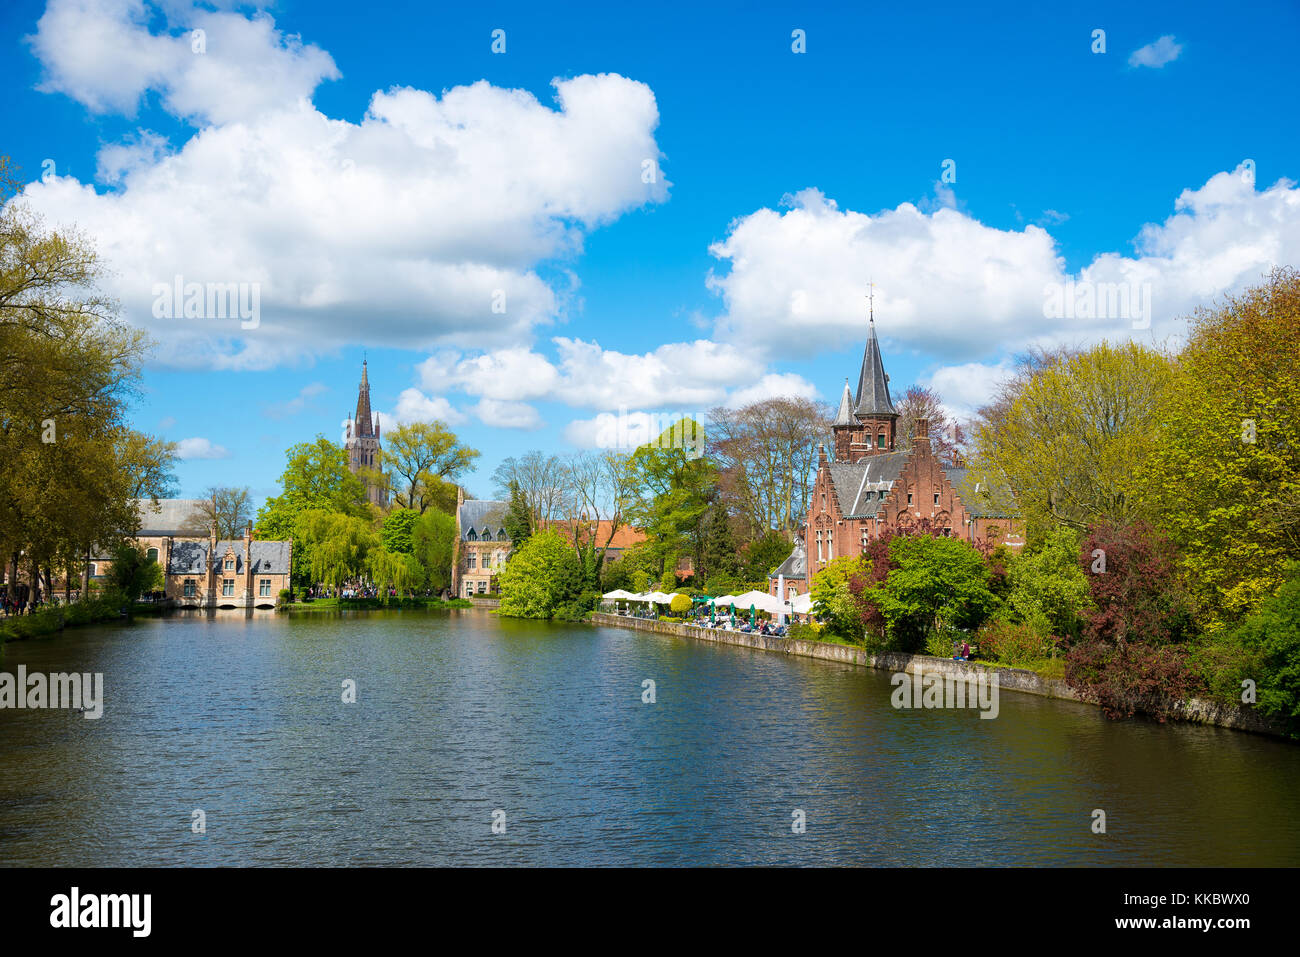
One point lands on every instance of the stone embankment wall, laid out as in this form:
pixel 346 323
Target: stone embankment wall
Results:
pixel 1009 679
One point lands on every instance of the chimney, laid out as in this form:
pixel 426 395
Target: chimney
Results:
pixel 922 437
pixel 248 565
pixel 212 553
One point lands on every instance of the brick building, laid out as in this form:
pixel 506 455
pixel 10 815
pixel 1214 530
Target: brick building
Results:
pixel 865 486
pixel 202 572
pixel 481 546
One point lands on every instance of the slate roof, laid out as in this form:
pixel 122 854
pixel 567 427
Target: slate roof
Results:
pixel 873 384
pixel 268 558
pixel 858 484
pixel 796 566
pixel 485 518
pixel 172 516
pixel 845 414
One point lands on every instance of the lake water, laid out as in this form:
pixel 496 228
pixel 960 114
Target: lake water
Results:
pixel 462 714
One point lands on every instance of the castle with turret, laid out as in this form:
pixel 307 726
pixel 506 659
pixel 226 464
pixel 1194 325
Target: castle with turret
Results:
pixel 866 487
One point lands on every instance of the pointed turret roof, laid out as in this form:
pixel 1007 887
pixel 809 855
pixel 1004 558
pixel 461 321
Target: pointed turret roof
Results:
pixel 364 421
pixel 844 416
pixel 873 384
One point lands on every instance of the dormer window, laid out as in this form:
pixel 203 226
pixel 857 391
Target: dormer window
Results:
pixel 472 536
pixel 230 563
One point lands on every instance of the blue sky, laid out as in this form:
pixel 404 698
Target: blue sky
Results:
pixel 381 175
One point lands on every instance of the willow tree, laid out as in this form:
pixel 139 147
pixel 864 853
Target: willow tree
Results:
pixel 69 366
pixel 1224 478
pixel 1072 442
pixel 336 546
pixel 396 569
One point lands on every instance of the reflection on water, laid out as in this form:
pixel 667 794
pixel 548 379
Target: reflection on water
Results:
pixel 460 714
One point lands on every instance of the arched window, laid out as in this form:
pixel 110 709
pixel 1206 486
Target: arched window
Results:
pixel 152 554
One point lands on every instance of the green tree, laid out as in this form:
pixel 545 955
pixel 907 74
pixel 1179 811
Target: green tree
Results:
pixel 936 583
pixel 132 572
pixel 720 560
pixel 764 553
pixel 833 601
pixel 315 478
pixel 335 545
pixel 540 578
pixel 1272 636
pixel 518 522
pixel 671 487
pixel 1071 441
pixel 433 540
pixel 397 529
pixel 1047 581
pixel 69 367
pixel 422 461
pixel 1224 478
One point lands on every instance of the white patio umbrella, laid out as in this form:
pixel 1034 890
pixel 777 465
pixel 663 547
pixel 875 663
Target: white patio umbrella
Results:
pixel 617 595
pixel 802 604
pixel 762 601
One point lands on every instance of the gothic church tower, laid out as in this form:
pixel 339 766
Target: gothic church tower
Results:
pixel 362 444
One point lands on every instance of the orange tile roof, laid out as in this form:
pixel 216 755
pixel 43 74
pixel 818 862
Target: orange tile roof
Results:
pixel 625 537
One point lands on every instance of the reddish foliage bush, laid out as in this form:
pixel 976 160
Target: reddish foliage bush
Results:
pixel 1129 657
pixel 1131 677
pixel 1137 597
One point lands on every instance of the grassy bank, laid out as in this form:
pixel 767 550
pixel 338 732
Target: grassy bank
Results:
pixel 50 621
pixel 1043 667
pixel 337 604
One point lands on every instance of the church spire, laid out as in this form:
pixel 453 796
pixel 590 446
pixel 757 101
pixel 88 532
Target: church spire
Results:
pixel 364 420
pixel 873 385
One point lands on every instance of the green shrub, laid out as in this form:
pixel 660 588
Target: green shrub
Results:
pixel 1270 639
pixel 1017 643
pixel 944 642
pixel 806 632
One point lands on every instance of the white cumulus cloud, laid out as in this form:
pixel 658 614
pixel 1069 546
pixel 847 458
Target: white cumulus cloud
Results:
pixel 424 221
pixel 1157 53
pixel 200 448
